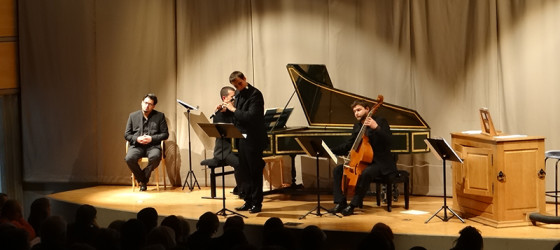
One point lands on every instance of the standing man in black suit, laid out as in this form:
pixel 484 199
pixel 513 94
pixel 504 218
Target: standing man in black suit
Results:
pixel 248 110
pixel 145 129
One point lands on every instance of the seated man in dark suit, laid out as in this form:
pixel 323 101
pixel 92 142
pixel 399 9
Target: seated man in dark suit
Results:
pixel 222 148
pixel 145 129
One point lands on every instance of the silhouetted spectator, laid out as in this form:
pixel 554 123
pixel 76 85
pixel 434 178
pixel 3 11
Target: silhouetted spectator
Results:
pixel 274 234
pixel 153 247
pixel 233 236
pixel 557 247
pixel 149 217
pixel 469 238
pixel 312 237
pixel 175 223
pixel 186 228
pixel 53 234
pixel 108 239
pixel 81 246
pixel 375 241
pixel 133 235
pixel 418 248
pixel 12 237
pixel 39 211
pixel 116 225
pixel 84 229
pixel 235 222
pixel 385 231
pixel 3 199
pixel 206 227
pixel 162 235
pixel 13 214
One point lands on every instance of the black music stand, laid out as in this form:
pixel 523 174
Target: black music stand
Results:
pixel 314 146
pixel 190 175
pixel 222 130
pixel 443 151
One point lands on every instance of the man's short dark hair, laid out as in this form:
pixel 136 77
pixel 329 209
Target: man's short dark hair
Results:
pixel 153 97
pixel 225 91
pixel 236 74
pixel 362 103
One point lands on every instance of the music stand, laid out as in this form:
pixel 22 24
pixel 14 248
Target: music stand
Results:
pixel 443 151
pixel 222 130
pixel 314 146
pixel 190 175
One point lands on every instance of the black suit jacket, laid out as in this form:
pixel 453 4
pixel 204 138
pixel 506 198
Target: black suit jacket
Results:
pixel 157 127
pixel 380 140
pixel 249 116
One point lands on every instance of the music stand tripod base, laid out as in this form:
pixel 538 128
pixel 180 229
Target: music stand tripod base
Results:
pixel 314 147
pixel 190 175
pixel 443 151
pixel 189 181
pixel 445 218
pixel 222 131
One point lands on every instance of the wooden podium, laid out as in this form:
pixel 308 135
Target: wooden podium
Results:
pixel 501 179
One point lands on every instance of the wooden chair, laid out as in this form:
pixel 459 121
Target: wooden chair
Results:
pixel 156 170
pixel 272 162
pixel 401 176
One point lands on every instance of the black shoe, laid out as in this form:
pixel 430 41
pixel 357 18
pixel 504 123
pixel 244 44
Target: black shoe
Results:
pixel 143 186
pixel 255 209
pixel 235 190
pixel 338 208
pixel 245 207
pixel 349 210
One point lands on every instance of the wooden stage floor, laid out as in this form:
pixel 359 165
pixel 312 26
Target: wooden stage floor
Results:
pixel 408 226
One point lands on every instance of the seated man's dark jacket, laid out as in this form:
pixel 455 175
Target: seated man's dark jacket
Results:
pixel 380 140
pixel 157 128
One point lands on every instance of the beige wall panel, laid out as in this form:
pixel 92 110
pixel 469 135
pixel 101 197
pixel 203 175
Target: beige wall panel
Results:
pixel 7 18
pixel 8 75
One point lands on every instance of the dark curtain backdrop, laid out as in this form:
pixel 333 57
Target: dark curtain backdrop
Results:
pixel 85 64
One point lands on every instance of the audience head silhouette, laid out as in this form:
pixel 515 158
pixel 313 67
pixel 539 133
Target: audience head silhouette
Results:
pixel 39 211
pixel 54 233
pixel 235 222
pixel 86 215
pixel 133 234
pixel 162 235
pixel 208 223
pixel 275 235
pixel 312 237
pixel 149 217
pixel 469 238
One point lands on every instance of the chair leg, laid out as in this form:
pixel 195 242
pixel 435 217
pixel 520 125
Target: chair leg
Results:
pixel 378 193
pixel 389 196
pixel 212 182
pixel 157 178
pixel 133 181
pixel 406 194
pixel 164 165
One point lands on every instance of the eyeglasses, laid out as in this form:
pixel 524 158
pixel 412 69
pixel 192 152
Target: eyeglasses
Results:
pixel 149 104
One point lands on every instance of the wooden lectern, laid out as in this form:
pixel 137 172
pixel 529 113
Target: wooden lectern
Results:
pixel 500 180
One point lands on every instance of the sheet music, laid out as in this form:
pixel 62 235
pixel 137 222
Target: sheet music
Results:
pixel 328 150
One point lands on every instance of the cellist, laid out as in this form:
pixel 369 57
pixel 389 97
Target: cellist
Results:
pixel 383 163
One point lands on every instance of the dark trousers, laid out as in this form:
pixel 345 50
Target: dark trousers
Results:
pixel 233 161
pixel 362 185
pixel 250 172
pixel 135 153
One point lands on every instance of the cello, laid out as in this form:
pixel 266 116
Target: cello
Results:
pixel 360 155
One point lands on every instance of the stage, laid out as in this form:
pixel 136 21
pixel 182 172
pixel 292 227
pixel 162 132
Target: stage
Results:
pixel 409 227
